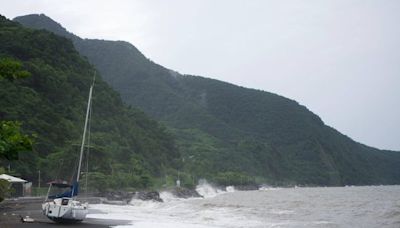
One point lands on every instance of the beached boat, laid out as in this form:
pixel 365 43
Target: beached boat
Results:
pixel 64 207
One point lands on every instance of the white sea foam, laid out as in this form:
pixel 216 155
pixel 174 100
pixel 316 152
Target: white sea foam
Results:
pixel 207 190
pixel 145 204
pixel 230 188
pixel 163 225
pixel 179 214
pixel 267 188
pixel 167 196
pixel 284 207
pixel 176 212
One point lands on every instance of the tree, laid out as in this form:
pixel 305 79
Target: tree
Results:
pixel 4 187
pixel 11 69
pixel 12 141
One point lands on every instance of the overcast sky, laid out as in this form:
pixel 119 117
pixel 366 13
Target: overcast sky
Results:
pixel 341 59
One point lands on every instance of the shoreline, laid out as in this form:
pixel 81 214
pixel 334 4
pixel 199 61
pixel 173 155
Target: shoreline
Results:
pixel 11 211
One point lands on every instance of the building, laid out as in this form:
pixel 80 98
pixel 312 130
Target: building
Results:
pixel 21 187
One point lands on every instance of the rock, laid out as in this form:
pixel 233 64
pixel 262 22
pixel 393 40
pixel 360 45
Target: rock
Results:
pixel 153 195
pixel 117 196
pixel 185 193
pixel 92 199
pixel 115 202
pixel 121 197
pixel 246 187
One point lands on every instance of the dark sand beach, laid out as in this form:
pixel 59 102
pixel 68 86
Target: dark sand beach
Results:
pixel 12 210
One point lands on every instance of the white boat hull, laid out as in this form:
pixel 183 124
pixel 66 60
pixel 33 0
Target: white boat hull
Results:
pixel 65 210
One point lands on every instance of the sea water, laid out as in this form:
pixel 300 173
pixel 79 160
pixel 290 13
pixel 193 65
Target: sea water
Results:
pixel 368 206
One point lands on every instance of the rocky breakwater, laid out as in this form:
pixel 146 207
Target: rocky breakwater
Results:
pixel 115 197
pixel 185 193
pixel 146 196
pixel 123 198
pixel 246 187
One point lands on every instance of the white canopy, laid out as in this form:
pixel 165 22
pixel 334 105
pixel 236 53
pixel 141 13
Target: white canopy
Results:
pixel 12 179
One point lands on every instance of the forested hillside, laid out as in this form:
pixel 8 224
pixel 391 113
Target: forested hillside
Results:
pixel 226 131
pixel 127 148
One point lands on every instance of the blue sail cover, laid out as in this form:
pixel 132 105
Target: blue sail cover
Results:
pixel 74 189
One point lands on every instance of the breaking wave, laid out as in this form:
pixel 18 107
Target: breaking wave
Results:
pixel 207 190
pixel 282 207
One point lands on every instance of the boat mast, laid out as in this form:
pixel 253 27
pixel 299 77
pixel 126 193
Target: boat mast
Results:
pixel 84 131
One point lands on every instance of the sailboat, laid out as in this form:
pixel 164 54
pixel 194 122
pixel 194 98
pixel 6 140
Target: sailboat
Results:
pixel 64 207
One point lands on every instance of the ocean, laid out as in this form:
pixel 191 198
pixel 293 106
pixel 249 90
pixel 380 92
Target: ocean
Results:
pixel 365 206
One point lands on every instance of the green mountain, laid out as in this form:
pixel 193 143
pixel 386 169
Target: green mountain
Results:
pixel 128 148
pixel 226 131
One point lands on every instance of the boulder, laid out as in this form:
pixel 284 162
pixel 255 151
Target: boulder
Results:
pixel 117 195
pixel 152 195
pixel 246 187
pixel 185 193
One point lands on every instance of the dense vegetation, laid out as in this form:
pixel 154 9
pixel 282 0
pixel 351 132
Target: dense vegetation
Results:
pixel 127 148
pixel 12 140
pixel 226 131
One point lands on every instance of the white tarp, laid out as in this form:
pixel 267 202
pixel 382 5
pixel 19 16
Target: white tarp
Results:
pixel 12 179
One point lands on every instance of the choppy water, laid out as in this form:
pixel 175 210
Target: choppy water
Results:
pixel 369 206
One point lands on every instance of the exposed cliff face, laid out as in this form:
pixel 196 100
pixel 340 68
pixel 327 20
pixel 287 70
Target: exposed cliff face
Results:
pixel 221 127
